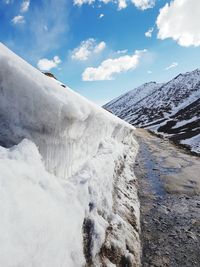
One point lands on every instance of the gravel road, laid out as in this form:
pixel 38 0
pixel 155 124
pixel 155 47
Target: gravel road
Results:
pixel 169 192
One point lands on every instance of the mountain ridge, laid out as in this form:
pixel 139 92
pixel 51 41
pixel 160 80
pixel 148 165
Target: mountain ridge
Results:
pixel 163 107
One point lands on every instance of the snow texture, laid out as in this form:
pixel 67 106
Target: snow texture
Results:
pixel 125 101
pixel 40 221
pixel 171 109
pixel 193 143
pixel 59 160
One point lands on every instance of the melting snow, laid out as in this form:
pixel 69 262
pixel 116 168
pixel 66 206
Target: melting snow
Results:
pixel 58 157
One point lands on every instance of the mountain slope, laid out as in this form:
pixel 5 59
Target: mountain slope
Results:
pixel 172 110
pixel 120 105
pixel 68 193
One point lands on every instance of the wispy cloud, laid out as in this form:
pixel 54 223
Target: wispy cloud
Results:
pixel 173 65
pixel 18 20
pixel 8 1
pixel 122 51
pixel 148 34
pixel 110 67
pixel 140 4
pixel 101 15
pixel 47 27
pixel 122 4
pixel 81 2
pixel 25 6
pixel 144 4
pixel 87 49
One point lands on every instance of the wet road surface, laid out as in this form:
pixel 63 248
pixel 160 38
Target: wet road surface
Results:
pixel 169 192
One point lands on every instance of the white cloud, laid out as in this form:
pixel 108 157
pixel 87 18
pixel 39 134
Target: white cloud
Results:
pixel 180 20
pixel 149 72
pixel 18 20
pixel 122 4
pixel 144 4
pixel 81 2
pixel 45 64
pixel 109 67
pixel 101 16
pixel 173 65
pixel 99 47
pixel 25 6
pixel 141 4
pixel 46 29
pixel 122 51
pixel 148 34
pixel 86 49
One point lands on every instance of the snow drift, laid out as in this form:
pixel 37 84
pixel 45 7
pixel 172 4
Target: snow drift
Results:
pixel 68 192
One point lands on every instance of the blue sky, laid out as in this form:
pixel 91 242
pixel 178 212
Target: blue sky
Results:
pixel 101 48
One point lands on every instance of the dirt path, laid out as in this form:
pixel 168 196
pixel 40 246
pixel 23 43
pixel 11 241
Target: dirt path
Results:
pixel 169 192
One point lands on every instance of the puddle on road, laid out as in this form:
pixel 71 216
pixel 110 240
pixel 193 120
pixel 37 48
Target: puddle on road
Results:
pixel 151 171
pixel 169 187
pixel 168 169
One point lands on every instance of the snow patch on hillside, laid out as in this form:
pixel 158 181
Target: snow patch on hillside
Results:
pixel 126 101
pixel 171 109
pixel 193 143
pixel 184 122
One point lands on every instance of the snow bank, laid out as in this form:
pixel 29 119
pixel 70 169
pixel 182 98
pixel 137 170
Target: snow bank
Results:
pixel 62 162
pixel 40 224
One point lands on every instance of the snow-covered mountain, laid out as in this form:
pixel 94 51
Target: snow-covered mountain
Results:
pixel 171 109
pixel 68 193
pixel 120 104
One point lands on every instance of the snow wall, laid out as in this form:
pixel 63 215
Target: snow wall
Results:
pixel 67 189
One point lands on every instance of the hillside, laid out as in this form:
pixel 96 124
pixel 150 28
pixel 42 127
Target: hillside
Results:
pixel 68 191
pixel 171 109
pixel 121 104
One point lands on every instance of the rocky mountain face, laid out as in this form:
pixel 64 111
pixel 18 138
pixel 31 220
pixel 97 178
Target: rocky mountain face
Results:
pixel 51 75
pixel 171 109
pixel 121 104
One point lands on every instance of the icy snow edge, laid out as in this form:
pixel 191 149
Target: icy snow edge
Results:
pixel 69 192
